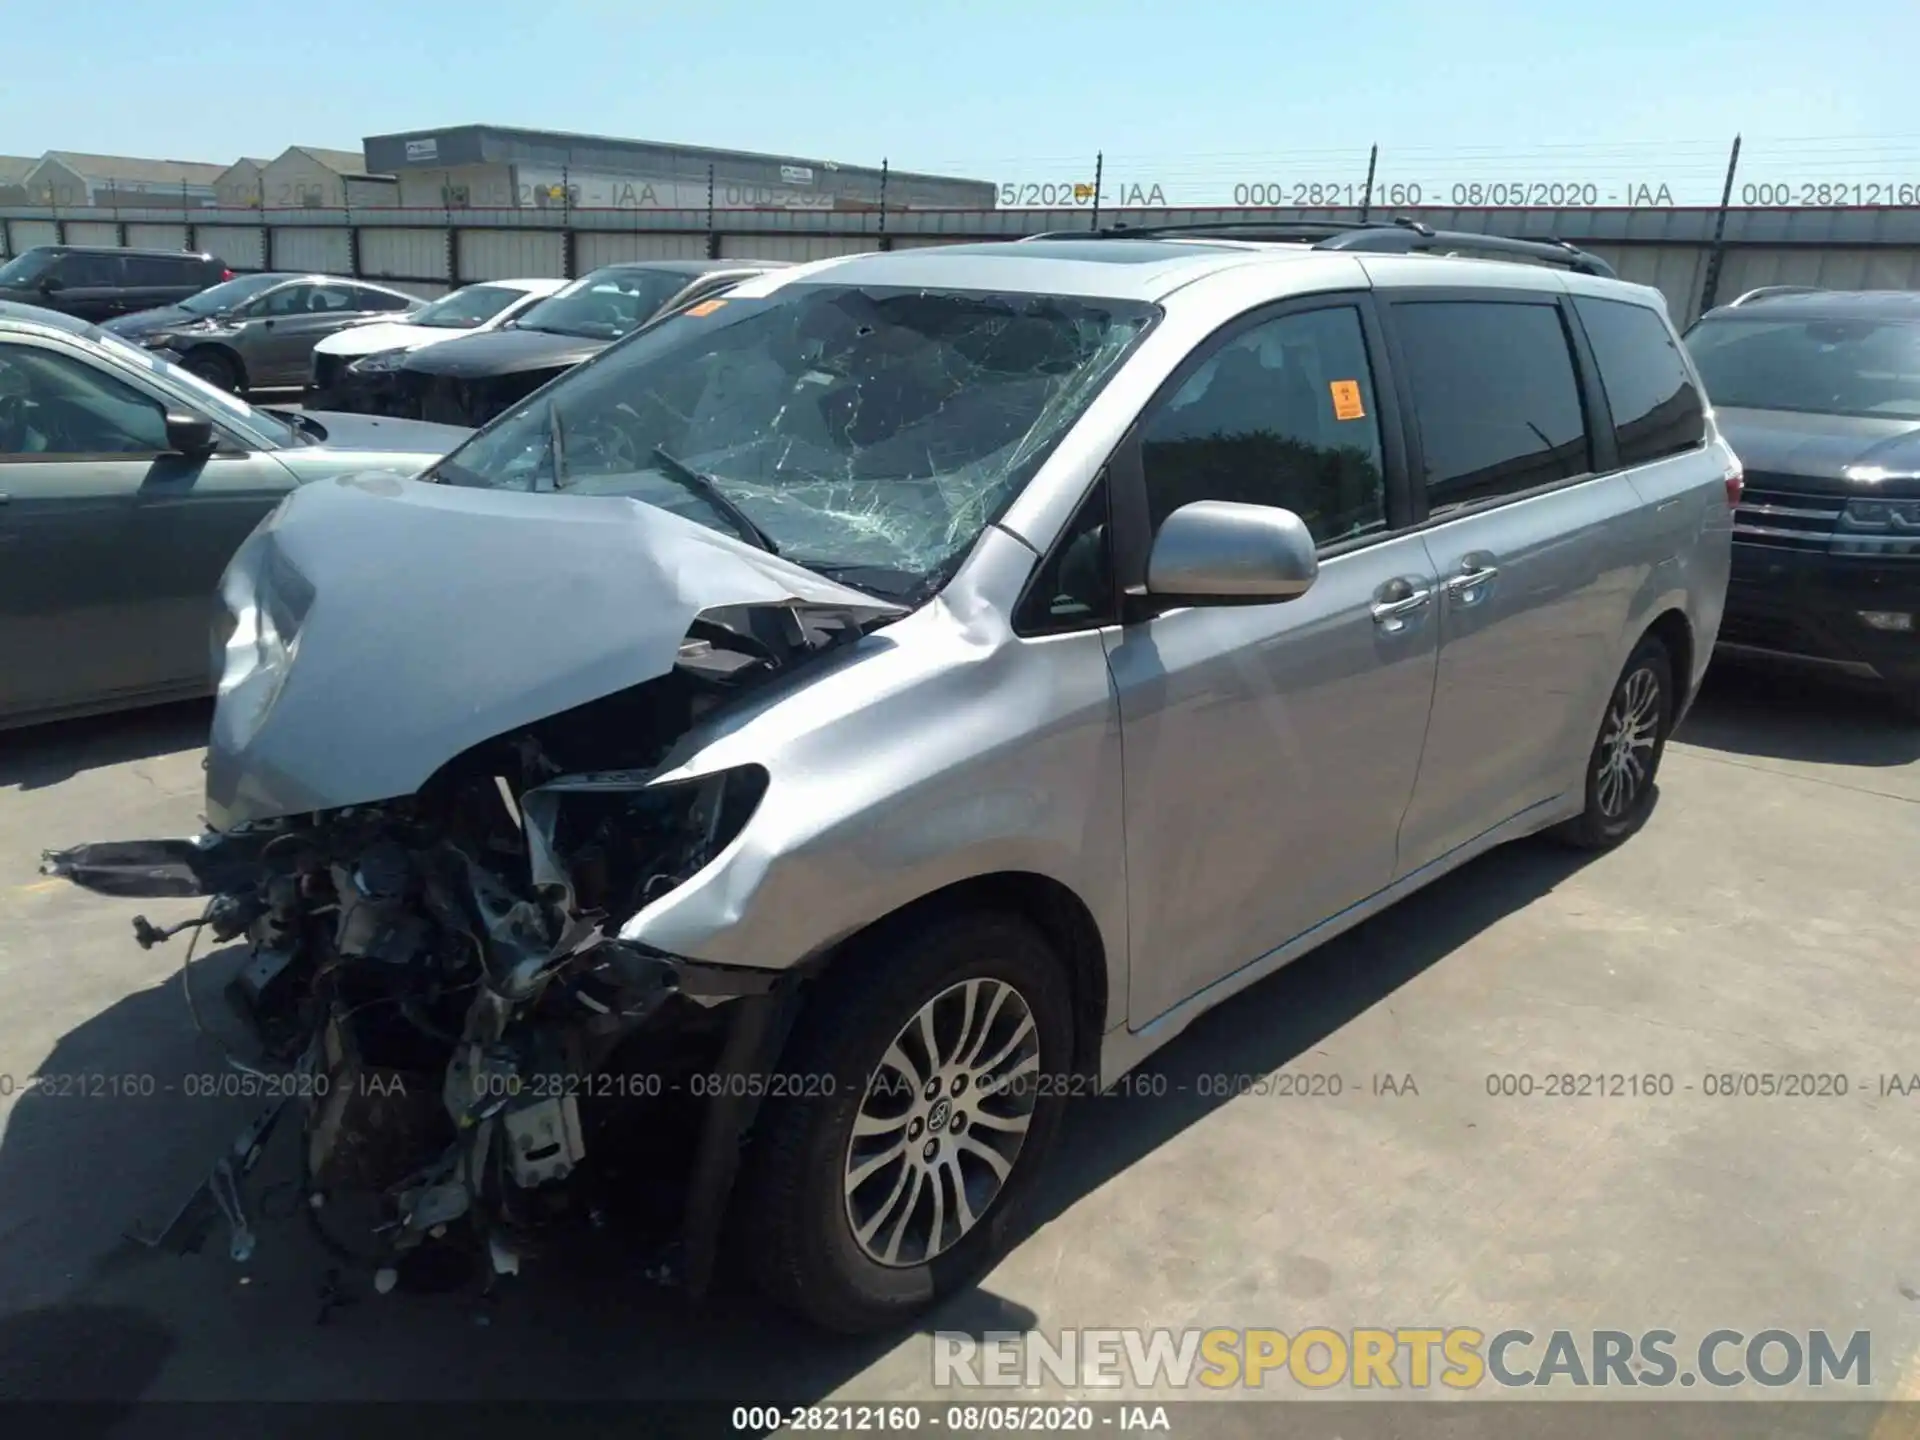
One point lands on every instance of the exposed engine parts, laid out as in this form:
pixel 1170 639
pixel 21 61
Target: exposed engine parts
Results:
pixel 439 983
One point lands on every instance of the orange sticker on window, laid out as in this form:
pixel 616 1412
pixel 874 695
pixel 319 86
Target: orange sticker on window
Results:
pixel 705 307
pixel 1346 400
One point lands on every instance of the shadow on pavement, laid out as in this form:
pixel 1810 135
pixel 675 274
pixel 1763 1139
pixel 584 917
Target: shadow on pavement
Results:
pixel 76 1171
pixel 1763 713
pixel 42 755
pixel 1297 1009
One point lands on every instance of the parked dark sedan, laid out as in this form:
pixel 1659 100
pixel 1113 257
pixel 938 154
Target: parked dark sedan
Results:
pixel 214 303
pixel 470 380
pixel 126 484
pixel 263 337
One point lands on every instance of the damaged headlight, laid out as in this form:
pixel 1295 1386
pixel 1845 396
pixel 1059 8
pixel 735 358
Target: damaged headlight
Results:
pixel 618 842
pixel 379 362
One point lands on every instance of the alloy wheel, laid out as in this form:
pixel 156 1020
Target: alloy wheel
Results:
pixel 942 1122
pixel 1627 742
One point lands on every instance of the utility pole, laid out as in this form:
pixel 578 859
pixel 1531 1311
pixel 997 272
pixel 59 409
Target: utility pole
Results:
pixel 1711 287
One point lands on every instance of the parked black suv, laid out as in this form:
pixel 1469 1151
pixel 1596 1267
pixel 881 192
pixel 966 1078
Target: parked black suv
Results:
pixel 1819 394
pixel 98 282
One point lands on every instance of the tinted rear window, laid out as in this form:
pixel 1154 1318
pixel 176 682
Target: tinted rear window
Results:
pixel 1495 395
pixel 1656 407
pixel 164 270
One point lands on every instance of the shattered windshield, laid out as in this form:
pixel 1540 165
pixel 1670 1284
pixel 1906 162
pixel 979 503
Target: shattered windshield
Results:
pixel 867 433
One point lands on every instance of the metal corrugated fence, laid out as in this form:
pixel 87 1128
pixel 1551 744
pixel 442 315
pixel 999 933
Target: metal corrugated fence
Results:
pixel 1676 250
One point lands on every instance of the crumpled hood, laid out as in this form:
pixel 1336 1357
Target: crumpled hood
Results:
pixel 1822 449
pixel 503 352
pixel 419 620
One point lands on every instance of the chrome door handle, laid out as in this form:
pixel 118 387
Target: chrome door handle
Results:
pixel 1390 614
pixel 1466 587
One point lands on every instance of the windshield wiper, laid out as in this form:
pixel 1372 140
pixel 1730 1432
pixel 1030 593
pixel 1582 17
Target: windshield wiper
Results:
pixel 708 489
pixel 556 449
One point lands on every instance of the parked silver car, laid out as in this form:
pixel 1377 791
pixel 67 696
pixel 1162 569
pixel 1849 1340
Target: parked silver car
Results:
pixel 258 332
pixel 837 725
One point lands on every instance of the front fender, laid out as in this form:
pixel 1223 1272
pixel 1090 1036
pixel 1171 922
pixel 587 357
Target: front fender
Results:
pixel 956 750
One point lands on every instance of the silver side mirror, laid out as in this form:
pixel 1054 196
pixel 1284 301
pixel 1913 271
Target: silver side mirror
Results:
pixel 1224 551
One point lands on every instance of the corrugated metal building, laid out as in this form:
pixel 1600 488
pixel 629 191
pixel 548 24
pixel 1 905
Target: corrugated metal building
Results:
pixel 14 169
pixel 239 187
pixel 495 167
pixel 66 178
pixel 306 177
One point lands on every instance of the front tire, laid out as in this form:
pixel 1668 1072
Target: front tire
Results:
pixel 214 368
pixel 1626 754
pixel 928 1068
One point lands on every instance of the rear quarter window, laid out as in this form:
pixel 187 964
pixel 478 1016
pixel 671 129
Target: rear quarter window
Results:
pixel 164 270
pixel 1657 409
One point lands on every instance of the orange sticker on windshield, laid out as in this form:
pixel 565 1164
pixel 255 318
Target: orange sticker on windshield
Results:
pixel 1346 400
pixel 705 307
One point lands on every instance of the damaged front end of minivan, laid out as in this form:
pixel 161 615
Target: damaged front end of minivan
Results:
pixel 454 755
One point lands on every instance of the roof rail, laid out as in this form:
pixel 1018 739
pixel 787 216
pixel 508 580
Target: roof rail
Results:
pixel 1294 231
pixel 1767 292
pixel 1403 235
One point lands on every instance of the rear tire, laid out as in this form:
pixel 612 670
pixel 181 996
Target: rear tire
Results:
pixel 859 1230
pixel 214 368
pixel 1626 754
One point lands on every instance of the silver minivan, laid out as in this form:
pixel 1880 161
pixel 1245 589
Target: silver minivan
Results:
pixel 802 747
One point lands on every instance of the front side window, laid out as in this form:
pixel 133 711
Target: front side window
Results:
pixel 867 433
pixel 81 271
pixel 1074 586
pixel 27 267
pixel 288 300
pixel 228 407
pixel 604 305
pixel 1495 396
pixel 52 405
pixel 465 309
pixel 1657 410
pixel 1282 414
pixel 1865 368
pixel 229 294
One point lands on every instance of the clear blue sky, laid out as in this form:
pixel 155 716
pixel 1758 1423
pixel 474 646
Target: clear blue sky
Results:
pixel 1195 96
